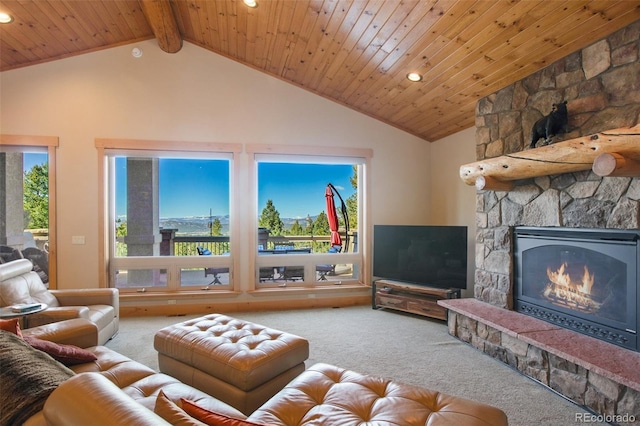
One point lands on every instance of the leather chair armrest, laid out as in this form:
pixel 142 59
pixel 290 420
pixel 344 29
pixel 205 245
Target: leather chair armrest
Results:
pixel 79 332
pixel 89 296
pixel 56 314
pixel 90 398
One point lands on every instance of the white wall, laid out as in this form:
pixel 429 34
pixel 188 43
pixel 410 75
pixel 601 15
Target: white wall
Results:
pixel 452 201
pixel 193 95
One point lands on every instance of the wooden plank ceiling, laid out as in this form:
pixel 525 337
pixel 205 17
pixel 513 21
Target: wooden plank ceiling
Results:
pixel 354 52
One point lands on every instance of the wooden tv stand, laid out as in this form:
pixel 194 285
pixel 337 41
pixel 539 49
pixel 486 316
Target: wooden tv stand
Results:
pixel 413 298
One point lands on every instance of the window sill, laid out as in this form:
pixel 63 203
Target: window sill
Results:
pixel 341 288
pixel 181 295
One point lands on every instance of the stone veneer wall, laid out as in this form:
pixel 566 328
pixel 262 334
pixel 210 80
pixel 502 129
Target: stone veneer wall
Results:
pixel 602 86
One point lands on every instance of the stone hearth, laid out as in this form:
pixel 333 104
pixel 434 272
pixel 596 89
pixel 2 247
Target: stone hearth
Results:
pixel 592 373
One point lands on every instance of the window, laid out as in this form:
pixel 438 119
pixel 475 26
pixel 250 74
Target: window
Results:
pixel 302 240
pixel 189 216
pixel 169 222
pixel 27 199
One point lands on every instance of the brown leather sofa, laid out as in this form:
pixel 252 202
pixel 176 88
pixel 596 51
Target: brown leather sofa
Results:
pixel 115 390
pixel 20 284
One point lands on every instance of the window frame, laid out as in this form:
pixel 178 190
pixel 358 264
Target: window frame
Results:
pixel 307 154
pixel 173 264
pixel 50 143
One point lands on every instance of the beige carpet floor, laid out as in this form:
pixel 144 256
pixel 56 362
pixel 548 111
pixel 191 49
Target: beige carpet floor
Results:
pixel 402 347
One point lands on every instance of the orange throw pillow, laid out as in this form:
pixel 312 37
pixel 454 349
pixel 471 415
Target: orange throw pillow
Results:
pixel 175 415
pixel 11 325
pixel 212 418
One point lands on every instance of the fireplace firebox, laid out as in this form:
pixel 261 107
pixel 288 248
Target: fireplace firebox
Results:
pixel 581 279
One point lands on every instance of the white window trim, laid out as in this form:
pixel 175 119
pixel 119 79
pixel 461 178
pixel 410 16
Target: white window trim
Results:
pixel 106 149
pixel 319 155
pixel 242 182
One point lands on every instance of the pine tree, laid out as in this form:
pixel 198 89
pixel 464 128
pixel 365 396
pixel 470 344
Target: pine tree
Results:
pixel 216 227
pixel 270 219
pixel 308 229
pixel 296 228
pixel 36 196
pixel 321 225
pixel 352 201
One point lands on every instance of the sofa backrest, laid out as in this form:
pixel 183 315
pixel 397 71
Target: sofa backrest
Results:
pixel 20 284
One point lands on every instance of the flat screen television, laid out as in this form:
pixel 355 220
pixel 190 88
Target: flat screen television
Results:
pixel 433 256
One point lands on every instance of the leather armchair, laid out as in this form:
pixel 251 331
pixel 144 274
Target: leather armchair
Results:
pixel 20 284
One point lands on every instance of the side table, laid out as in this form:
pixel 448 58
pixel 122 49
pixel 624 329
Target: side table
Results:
pixel 7 312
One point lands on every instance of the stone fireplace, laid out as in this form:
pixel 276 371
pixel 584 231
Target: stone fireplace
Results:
pixel 601 84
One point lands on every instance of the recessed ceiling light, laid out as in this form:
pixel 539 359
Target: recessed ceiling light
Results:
pixel 5 18
pixel 136 52
pixel 414 76
pixel 251 3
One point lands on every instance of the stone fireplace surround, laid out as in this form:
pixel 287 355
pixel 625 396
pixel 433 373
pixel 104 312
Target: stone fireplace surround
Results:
pixel 602 86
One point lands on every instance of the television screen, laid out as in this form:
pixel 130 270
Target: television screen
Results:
pixel 434 256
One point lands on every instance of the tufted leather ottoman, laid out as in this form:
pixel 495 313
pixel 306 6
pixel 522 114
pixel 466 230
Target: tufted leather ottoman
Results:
pixel 238 362
pixel 332 396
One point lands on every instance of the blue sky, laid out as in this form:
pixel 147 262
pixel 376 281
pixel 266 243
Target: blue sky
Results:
pixel 297 190
pixel 30 159
pixel 190 187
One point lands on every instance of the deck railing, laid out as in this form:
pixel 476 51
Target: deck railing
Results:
pixel 176 245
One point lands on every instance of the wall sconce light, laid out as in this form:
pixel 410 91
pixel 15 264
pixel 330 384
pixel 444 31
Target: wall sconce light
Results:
pixel 251 3
pixel 5 18
pixel 414 76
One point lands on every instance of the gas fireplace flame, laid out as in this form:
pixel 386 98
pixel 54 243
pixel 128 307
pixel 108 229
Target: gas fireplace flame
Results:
pixel 564 291
pixel 562 278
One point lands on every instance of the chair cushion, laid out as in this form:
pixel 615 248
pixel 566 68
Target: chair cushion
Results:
pixel 15 268
pixel 18 286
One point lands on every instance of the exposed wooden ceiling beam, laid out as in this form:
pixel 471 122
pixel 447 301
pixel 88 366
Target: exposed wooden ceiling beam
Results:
pixel 163 23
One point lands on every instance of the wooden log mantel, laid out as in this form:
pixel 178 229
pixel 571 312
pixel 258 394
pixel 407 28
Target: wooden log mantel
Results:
pixel 568 156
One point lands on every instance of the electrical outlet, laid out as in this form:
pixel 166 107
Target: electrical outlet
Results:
pixel 171 301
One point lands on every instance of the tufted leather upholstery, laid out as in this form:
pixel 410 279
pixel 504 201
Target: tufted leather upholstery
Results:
pixel 237 361
pixel 332 396
pixel 20 284
pixel 116 390
pixel 143 383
